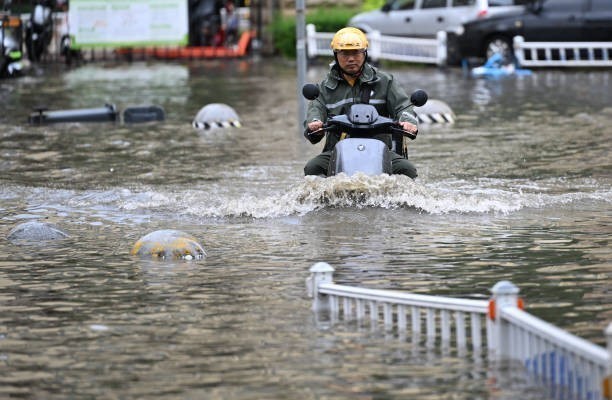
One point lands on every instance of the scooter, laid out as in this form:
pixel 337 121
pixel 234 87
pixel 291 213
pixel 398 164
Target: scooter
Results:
pixel 359 151
pixel 39 29
pixel 10 43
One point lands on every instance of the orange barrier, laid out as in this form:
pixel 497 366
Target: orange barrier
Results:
pixel 193 52
pixel 12 21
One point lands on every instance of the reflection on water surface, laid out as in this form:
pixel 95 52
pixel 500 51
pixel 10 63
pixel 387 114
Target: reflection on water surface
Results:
pixel 519 189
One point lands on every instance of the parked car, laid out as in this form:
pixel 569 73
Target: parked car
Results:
pixel 541 21
pixel 424 18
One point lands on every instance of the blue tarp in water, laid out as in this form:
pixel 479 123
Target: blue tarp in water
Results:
pixel 495 67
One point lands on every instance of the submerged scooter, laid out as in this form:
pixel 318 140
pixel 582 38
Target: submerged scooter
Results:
pixel 359 151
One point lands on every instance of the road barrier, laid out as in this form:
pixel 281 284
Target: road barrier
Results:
pixel 417 50
pixel 56 52
pixel 562 54
pixel 434 51
pixel 562 361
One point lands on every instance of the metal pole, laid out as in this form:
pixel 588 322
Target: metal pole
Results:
pixel 300 45
pixel 259 26
pixel 320 273
pixel 4 23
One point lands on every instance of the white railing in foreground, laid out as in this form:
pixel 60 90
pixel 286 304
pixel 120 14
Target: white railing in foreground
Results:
pixel 557 358
pixel 562 54
pixel 417 50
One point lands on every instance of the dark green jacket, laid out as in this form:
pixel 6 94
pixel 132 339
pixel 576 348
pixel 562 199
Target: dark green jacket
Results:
pixel 336 96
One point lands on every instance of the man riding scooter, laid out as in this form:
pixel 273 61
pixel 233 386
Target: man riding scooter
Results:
pixel 352 80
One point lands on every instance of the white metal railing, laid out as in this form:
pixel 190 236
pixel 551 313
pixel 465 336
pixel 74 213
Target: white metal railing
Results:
pixel 434 51
pixel 417 50
pixel 562 54
pixel 318 43
pixel 558 358
pixel 553 355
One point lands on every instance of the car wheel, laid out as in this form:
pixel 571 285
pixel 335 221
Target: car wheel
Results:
pixel 499 45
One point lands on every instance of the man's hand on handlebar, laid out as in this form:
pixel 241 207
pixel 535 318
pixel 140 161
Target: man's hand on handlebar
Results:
pixel 315 126
pixel 315 131
pixel 410 128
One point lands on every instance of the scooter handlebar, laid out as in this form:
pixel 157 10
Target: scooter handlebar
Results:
pixel 398 129
pixel 315 136
pixel 331 126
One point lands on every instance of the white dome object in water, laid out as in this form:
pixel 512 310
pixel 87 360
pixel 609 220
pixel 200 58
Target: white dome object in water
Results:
pixel 168 244
pixel 216 115
pixel 36 231
pixel 435 111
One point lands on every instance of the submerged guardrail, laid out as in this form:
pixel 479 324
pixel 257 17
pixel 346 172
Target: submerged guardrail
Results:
pixel 556 357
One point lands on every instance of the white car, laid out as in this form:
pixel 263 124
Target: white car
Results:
pixel 424 18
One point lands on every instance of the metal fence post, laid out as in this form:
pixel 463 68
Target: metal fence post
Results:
pixel 311 40
pixel 320 272
pixel 519 51
pixel 607 383
pixel 375 49
pixel 505 294
pixel 441 52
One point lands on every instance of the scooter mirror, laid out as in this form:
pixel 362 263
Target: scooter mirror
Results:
pixel 311 91
pixel 418 97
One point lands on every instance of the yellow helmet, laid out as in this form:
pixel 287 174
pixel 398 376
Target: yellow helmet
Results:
pixel 349 39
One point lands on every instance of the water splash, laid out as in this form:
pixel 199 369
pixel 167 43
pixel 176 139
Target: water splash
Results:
pixel 391 192
pixel 310 194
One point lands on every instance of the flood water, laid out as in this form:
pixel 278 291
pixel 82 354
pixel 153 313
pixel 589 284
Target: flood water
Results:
pixel 519 189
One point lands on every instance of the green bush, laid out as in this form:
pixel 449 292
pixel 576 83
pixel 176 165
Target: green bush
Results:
pixel 324 19
pixel 369 5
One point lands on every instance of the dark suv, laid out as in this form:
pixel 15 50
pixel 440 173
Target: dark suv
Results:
pixel 541 21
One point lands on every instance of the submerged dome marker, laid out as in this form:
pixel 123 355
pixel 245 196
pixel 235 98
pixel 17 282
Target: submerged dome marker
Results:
pixel 168 244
